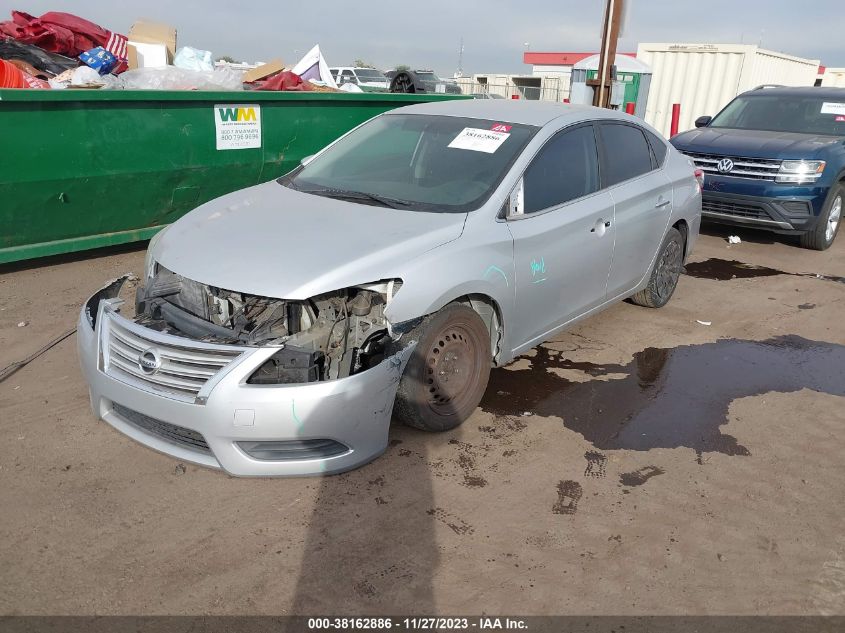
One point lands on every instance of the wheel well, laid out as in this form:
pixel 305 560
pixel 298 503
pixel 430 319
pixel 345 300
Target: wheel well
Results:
pixel 683 229
pixel 491 315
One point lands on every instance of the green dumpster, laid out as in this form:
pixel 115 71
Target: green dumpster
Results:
pixel 86 168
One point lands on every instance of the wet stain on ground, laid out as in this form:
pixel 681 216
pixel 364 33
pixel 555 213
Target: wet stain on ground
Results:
pixel 725 270
pixel 666 398
pixel 806 306
pixel 568 495
pixel 639 477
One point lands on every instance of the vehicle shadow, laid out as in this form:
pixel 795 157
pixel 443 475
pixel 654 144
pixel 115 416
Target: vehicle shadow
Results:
pixel 371 548
pixel 746 234
pixel 76 256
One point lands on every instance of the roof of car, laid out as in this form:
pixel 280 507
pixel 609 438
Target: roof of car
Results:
pixel 520 111
pixel 801 91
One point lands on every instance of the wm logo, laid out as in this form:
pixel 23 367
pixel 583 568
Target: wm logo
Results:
pixel 237 114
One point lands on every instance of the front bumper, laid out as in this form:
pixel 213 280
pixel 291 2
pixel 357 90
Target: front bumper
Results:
pixel 227 415
pixel 762 204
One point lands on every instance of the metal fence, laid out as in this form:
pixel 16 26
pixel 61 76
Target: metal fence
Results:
pixel 539 89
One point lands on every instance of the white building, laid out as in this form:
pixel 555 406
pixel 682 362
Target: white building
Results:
pixel 703 78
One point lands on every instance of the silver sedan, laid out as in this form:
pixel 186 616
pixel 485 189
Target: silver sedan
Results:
pixel 280 327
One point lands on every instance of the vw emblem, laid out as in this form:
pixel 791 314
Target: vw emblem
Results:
pixel 725 165
pixel 149 361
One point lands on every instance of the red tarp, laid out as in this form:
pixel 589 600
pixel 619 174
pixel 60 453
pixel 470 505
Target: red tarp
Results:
pixel 56 32
pixel 284 80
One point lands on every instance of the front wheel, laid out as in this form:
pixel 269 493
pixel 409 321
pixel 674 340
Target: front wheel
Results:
pixel 448 371
pixel 664 276
pixel 821 237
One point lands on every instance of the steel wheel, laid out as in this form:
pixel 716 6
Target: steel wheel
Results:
pixel 448 371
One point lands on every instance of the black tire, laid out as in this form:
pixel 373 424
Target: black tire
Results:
pixel 821 237
pixel 403 82
pixel 664 276
pixel 448 371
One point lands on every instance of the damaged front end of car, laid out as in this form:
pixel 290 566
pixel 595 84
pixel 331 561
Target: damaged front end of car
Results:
pixel 330 336
pixel 253 384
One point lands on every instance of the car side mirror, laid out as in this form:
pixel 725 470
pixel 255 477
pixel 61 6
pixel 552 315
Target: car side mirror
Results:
pixel 306 159
pixel 703 121
pixel 516 203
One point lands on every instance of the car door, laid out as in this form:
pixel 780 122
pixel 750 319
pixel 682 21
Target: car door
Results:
pixel 562 227
pixel 642 194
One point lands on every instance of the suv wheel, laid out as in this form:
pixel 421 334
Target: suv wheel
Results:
pixel 821 237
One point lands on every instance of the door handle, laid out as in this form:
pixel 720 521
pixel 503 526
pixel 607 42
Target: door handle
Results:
pixel 601 223
pixel 662 203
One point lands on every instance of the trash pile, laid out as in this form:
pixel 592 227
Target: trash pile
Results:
pixel 61 50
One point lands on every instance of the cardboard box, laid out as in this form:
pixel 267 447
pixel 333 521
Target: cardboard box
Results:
pixel 145 32
pixel 150 55
pixel 131 57
pixel 265 70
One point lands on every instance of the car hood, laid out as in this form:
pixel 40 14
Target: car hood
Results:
pixel 272 241
pixel 752 143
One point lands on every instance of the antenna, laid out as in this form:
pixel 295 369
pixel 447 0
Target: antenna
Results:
pixel 460 72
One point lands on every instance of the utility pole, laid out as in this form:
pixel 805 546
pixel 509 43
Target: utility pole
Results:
pixel 603 82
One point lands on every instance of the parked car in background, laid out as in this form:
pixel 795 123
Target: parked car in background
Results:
pixel 421 81
pixel 364 77
pixel 774 158
pixel 276 325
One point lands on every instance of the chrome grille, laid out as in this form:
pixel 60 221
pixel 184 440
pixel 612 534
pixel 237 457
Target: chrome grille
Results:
pixel 170 432
pixel 184 370
pixel 752 168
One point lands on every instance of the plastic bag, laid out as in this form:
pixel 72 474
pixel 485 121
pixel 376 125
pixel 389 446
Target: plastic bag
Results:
pixel 173 78
pixel 84 77
pixel 193 59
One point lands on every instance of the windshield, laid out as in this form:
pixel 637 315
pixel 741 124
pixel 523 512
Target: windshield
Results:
pixel 369 75
pixel 414 161
pixel 427 76
pixel 779 113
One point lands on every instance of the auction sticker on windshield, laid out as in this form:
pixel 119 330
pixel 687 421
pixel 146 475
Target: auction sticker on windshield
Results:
pixel 478 140
pixel 238 126
pixel 833 108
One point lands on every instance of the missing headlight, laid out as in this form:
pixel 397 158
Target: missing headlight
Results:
pixel 289 366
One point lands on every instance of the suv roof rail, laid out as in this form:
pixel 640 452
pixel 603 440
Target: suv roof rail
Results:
pixel 764 86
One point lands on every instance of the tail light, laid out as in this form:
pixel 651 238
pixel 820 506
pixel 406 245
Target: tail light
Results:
pixel 699 177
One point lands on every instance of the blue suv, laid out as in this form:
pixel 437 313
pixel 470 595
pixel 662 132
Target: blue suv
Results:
pixel 774 158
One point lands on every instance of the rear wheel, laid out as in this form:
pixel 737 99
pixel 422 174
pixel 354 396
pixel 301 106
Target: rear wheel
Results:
pixel 402 82
pixel 448 371
pixel 821 237
pixel 665 274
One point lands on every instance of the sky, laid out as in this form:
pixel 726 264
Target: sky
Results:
pixel 495 32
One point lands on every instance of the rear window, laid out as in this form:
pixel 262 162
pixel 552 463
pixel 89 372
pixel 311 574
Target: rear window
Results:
pixel 626 153
pixel 369 75
pixel 658 146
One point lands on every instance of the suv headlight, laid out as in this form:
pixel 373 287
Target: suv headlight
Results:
pixel 799 172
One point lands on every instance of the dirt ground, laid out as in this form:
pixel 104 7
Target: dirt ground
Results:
pixel 642 463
